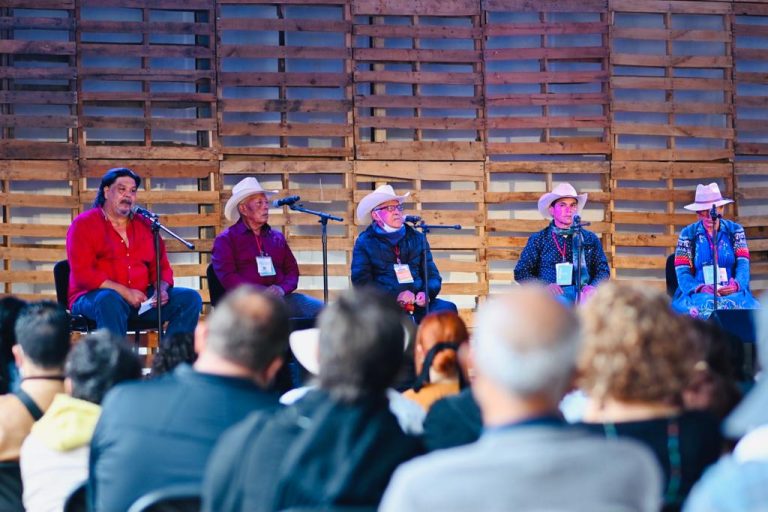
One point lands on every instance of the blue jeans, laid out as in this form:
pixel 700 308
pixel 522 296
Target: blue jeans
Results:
pixel 303 306
pixel 110 311
pixel 435 305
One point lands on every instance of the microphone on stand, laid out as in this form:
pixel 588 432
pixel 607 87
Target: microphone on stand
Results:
pixel 412 218
pixel 576 219
pixel 136 209
pixel 286 201
pixel 713 212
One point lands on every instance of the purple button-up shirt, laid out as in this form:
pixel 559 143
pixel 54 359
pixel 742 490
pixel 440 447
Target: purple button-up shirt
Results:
pixel 234 258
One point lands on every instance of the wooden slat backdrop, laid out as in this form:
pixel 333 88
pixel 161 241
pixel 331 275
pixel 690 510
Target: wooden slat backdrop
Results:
pixel 475 106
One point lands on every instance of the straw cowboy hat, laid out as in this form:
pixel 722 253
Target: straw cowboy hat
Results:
pixel 381 195
pixel 245 188
pixel 706 196
pixel 560 191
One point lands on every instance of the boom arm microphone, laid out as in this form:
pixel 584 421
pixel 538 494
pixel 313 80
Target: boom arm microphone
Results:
pixel 412 218
pixel 286 201
pixel 144 212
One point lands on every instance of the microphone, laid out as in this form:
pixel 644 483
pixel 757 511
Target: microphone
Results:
pixel 713 212
pixel 136 209
pixel 286 201
pixel 412 218
pixel 577 219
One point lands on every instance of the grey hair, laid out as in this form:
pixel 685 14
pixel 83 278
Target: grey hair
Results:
pixel 249 328
pixel 527 343
pixel 360 345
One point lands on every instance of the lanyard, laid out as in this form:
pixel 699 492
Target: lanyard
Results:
pixel 562 250
pixel 396 250
pixel 258 244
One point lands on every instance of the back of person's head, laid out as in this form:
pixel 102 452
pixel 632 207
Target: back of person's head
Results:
pixel 249 328
pixel 42 331
pixel 635 347
pixel 361 344
pixel 179 348
pixel 10 307
pixel 97 362
pixel 441 327
pixel 526 342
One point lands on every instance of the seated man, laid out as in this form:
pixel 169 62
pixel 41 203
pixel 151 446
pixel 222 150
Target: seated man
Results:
pixel 527 457
pixel 42 333
pixel 111 254
pixel 339 444
pixel 389 254
pixel 549 255
pixel 251 252
pixel 158 433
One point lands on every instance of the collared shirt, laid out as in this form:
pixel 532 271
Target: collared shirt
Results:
pixel 234 258
pixel 96 253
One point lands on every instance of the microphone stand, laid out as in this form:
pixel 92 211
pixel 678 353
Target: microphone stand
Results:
pixel 425 228
pixel 324 218
pixel 156 227
pixel 715 271
pixel 578 242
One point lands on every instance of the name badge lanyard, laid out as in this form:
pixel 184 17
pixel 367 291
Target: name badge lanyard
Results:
pixel 396 250
pixel 258 244
pixel 562 250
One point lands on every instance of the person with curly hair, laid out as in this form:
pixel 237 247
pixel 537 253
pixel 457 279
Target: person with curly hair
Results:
pixel 638 358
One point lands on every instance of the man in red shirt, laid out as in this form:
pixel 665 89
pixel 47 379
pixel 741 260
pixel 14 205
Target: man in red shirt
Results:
pixel 111 254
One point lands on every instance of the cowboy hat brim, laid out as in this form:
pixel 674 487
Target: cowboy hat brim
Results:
pixel 372 200
pixel 547 199
pixel 230 209
pixel 697 207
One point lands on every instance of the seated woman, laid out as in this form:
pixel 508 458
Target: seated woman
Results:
pixel 638 357
pixel 436 358
pixel 694 259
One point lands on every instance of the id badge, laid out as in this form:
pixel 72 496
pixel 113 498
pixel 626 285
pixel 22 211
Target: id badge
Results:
pixel 722 274
pixel 265 266
pixel 403 273
pixel 564 273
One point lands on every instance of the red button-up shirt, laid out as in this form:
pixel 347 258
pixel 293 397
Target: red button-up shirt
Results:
pixel 96 253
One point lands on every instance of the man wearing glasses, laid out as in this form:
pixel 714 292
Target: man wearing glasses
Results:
pixel 251 252
pixel 389 255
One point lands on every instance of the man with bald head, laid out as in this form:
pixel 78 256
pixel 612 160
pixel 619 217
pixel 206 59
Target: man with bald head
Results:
pixel 527 457
pixel 159 433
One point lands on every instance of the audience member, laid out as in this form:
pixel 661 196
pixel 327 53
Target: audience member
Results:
pixel 637 359
pixel 42 334
pixel 54 457
pixel 739 482
pixel 436 358
pixel 452 421
pixel 339 444
pixel 10 307
pixel 179 348
pixel 160 432
pixel 527 458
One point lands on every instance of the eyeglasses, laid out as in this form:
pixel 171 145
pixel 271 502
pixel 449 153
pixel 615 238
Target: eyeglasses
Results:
pixel 260 204
pixel 391 208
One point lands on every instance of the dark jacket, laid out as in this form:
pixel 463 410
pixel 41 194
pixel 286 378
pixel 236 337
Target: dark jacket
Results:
pixel 373 260
pixel 317 453
pixel 453 421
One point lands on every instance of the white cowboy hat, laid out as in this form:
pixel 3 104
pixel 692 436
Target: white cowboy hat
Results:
pixel 381 195
pixel 706 196
pixel 305 346
pixel 560 191
pixel 244 188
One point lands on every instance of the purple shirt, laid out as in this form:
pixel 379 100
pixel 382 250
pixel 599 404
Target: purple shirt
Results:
pixel 234 258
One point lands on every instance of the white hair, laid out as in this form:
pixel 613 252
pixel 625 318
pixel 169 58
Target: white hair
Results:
pixel 527 343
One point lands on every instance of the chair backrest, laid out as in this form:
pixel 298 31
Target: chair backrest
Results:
pixel 215 288
pixel 61 278
pixel 75 501
pixel 175 498
pixel 671 275
pixel 10 487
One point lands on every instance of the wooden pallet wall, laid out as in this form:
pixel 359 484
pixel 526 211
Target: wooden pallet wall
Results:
pixel 475 106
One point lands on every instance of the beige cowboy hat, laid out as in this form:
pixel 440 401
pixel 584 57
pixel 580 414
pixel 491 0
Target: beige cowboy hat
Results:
pixel 244 188
pixel 706 196
pixel 381 195
pixel 560 191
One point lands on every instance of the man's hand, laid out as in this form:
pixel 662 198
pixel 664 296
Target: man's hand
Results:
pixel 406 297
pixel 421 299
pixel 134 297
pixel 731 287
pixel 587 291
pixel 274 290
pixel 163 295
pixel 555 289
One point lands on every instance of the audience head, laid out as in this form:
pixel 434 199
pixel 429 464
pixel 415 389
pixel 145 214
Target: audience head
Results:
pixel 96 363
pixel 441 327
pixel 525 344
pixel 361 344
pixel 247 328
pixel 636 349
pixel 10 307
pixel 42 333
pixel 179 348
